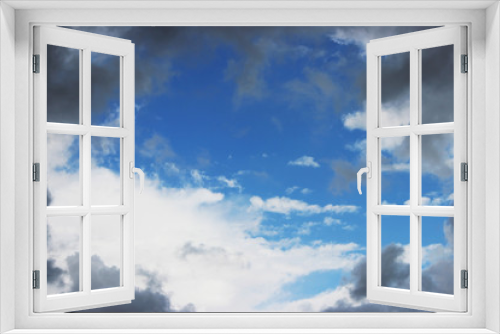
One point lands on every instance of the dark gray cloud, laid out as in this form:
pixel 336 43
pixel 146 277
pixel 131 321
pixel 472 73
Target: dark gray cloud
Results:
pixel 395 79
pixel 73 263
pixel 102 276
pixel 437 72
pixel 393 277
pixel 437 84
pixel 54 273
pixel 394 70
pixel 151 299
pixel 158 47
pixel 256 47
pixel 63 85
pixel 148 300
pixel 437 277
pixel 395 274
pixel 105 88
pixel 61 280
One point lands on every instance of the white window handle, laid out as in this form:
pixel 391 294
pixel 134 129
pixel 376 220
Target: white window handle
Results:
pixel 368 171
pixel 139 171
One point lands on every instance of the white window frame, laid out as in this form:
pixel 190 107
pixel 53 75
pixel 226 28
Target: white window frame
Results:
pixel 482 19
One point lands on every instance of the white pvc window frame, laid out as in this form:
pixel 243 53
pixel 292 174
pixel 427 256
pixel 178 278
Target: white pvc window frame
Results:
pixel 414 43
pixel 474 320
pixel 85 43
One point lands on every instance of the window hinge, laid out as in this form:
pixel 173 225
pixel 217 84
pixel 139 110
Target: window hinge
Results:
pixel 36 172
pixel 36 279
pixel 36 63
pixel 464 171
pixel 465 279
pixel 465 64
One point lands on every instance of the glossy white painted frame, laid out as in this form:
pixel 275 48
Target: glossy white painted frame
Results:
pixel 263 14
pixel 86 43
pixel 413 43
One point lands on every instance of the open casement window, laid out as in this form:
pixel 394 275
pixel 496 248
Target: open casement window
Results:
pixel 83 216
pixel 422 134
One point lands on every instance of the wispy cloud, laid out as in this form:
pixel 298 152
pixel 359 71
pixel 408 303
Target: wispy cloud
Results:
pixel 304 161
pixel 157 147
pixel 198 176
pixel 291 190
pixel 305 229
pixel 285 205
pixel 329 221
pixel 230 183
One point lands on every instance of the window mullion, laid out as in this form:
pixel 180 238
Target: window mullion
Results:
pixel 414 171
pixel 85 78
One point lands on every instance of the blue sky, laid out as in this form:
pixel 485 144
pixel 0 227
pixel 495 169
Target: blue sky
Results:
pixel 267 122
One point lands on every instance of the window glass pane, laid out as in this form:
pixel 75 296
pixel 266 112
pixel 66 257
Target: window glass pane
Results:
pixel 63 170
pixel 106 184
pixel 106 251
pixel 395 90
pixel 395 257
pixel 105 89
pixel 63 85
pixel 395 170
pixel 437 254
pixel 437 84
pixel 437 169
pixel 63 254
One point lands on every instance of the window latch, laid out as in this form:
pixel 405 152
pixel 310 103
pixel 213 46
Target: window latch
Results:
pixel 139 171
pixel 368 171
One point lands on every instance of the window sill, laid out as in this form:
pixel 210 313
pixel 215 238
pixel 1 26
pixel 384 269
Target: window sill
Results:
pixel 251 331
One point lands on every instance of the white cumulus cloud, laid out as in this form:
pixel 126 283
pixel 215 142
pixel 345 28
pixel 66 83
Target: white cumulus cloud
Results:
pixel 304 161
pixel 355 121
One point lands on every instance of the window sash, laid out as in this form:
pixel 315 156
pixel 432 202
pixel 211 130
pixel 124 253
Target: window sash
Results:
pixel 85 43
pixel 413 43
